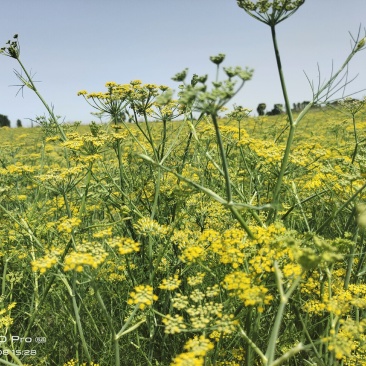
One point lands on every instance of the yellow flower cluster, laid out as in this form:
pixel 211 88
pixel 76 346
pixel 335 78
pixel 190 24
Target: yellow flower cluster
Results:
pixel 74 362
pixel 226 324
pixel 239 283
pixel 66 225
pixel 233 134
pixel 59 176
pixel 5 319
pixel 350 339
pixel 106 233
pixel 174 324
pixel 314 306
pixel 124 245
pixel 87 254
pixel 197 279
pixel 341 302
pixel 197 348
pixel 180 301
pixel 113 271
pixel 198 212
pixel 231 247
pixel 171 283
pixel 139 97
pixel 197 295
pixel 143 296
pixel 192 254
pixel 47 261
pixel 202 316
pixel 145 227
pixel 16 169
pixel 88 143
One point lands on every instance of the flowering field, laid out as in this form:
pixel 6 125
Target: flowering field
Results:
pixel 178 233
pixel 107 255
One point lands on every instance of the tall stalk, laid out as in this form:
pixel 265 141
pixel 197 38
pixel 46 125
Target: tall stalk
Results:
pixel 276 192
pixel 225 168
pixel 78 319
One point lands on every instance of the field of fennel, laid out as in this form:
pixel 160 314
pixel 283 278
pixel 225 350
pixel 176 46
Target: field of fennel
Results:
pixel 181 238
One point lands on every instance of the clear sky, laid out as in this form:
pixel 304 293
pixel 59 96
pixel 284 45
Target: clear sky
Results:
pixel 81 44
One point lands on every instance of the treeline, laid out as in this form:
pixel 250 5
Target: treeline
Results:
pixel 5 122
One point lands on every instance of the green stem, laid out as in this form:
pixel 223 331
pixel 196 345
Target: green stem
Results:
pixel 163 143
pixel 308 336
pixel 3 282
pixel 225 166
pixel 77 318
pixel 87 184
pixel 156 195
pixel 293 351
pixel 150 138
pixel 356 138
pixel 290 138
pixel 350 261
pixel 282 78
pixel 242 222
pixel 110 326
pixel 127 323
pixel 284 297
pixel 15 358
pixel 29 83
pixel 249 327
pixel 120 163
pixel 254 347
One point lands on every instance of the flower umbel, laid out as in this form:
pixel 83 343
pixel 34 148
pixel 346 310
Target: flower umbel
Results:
pixel 143 296
pixel 270 12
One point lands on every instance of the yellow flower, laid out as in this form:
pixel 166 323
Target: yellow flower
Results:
pixel 66 225
pixel 187 359
pixel 170 283
pixel 110 84
pixel 180 301
pixel 240 285
pixel 145 226
pixel 174 324
pixel 197 279
pixel 6 320
pixel 226 324
pixel 87 254
pixel 135 82
pixel 125 245
pixel 199 346
pixel 192 253
pixel 142 296
pixel 47 261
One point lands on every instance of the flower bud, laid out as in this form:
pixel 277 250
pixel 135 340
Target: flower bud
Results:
pixel 180 76
pixel 217 59
pixel 361 44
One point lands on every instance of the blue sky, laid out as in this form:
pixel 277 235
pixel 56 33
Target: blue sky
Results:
pixel 81 44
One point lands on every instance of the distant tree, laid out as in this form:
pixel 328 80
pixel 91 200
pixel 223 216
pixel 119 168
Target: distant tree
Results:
pixel 278 109
pixel 19 123
pixel 261 109
pixel 4 121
